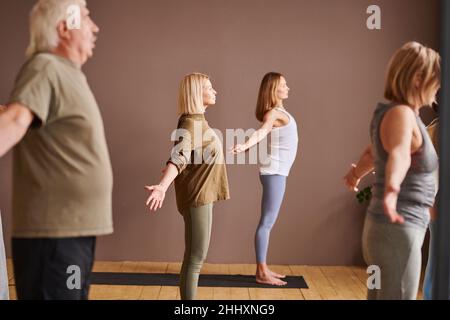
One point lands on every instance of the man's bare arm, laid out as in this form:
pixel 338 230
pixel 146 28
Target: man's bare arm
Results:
pixel 14 123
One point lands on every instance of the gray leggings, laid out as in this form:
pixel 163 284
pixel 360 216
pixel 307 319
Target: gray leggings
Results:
pixel 197 233
pixel 273 193
pixel 396 250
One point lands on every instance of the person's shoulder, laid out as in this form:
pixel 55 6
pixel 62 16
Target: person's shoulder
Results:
pixel 272 114
pixel 41 62
pixel 401 110
pixel 187 121
pixel 400 113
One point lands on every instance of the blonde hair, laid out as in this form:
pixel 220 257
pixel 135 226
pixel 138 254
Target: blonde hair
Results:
pixel 412 62
pixel 44 19
pixel 190 97
pixel 267 96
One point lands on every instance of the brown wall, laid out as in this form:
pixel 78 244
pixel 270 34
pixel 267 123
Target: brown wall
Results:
pixel 335 69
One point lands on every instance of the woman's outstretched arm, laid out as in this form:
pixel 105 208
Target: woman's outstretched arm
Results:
pixel 179 160
pixel 258 135
pixel 158 192
pixel 360 170
pixel 396 134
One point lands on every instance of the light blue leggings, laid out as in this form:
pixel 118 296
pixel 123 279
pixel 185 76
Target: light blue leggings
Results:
pixel 431 268
pixel 273 193
pixel 4 294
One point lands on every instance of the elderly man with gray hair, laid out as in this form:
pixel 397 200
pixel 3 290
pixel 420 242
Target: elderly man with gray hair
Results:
pixel 62 176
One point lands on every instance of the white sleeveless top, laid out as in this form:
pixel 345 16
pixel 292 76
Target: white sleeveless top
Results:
pixel 282 149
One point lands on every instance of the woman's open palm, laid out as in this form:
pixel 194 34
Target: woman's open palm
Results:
pixel 237 149
pixel 156 198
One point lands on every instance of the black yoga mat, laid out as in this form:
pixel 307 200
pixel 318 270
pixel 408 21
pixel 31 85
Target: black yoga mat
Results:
pixel 206 280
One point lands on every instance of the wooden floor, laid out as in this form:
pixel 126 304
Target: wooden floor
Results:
pixel 325 283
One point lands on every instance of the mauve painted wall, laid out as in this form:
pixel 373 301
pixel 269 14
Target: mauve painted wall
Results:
pixel 334 66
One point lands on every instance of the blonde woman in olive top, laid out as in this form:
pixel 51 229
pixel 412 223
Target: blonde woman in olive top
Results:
pixel 198 167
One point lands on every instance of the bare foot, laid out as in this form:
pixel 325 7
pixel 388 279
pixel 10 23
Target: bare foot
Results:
pixel 276 275
pixel 270 280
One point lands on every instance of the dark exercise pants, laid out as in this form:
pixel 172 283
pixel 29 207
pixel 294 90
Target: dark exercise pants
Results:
pixel 53 269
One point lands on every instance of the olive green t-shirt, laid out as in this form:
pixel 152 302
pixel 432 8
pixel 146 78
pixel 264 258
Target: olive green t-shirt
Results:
pixel 62 176
pixel 200 161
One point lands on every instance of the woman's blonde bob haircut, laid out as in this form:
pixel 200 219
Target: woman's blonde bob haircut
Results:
pixel 190 97
pixel 267 96
pixel 44 19
pixel 414 75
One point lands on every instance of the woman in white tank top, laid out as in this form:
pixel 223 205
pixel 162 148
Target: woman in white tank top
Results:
pixel 275 169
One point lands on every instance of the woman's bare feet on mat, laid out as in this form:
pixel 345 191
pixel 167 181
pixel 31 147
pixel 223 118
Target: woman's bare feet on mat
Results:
pixel 265 276
pixel 270 280
pixel 276 275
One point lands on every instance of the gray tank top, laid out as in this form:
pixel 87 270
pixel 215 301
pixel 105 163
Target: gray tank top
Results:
pixel 418 188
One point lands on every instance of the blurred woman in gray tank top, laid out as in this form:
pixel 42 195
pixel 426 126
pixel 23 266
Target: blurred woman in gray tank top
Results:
pixel 404 160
